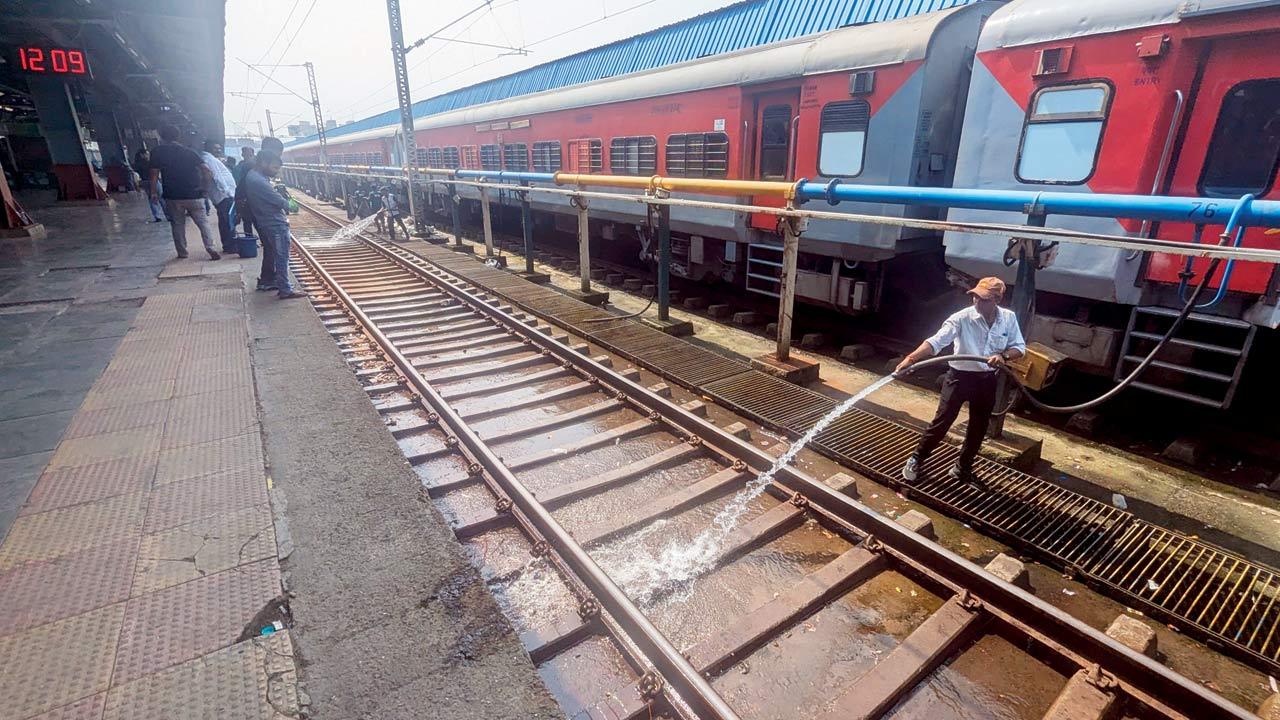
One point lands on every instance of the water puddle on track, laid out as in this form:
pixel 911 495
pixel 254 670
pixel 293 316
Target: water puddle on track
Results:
pixel 678 563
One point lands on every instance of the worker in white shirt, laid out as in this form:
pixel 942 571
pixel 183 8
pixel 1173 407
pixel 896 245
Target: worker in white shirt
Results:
pixel 986 329
pixel 220 188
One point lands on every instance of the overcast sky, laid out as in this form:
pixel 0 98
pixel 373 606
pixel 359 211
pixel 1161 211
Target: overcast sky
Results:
pixel 349 43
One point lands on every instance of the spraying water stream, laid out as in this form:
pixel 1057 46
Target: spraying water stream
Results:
pixel 646 575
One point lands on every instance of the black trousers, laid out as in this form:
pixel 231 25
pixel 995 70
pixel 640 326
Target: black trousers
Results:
pixel 977 388
pixel 225 232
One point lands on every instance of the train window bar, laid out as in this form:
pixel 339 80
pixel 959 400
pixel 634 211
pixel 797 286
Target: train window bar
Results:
pixel 586 155
pixel 546 156
pixel 698 155
pixel 515 157
pixel 842 138
pixel 450 158
pixel 1244 151
pixel 435 157
pixel 490 157
pixel 1062 133
pixel 470 160
pixel 635 155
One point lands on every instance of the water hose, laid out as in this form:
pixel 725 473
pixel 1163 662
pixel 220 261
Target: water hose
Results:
pixel 1187 307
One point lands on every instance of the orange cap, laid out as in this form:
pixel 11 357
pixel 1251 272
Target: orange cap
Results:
pixel 989 288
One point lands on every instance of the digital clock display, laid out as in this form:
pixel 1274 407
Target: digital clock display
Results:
pixel 53 61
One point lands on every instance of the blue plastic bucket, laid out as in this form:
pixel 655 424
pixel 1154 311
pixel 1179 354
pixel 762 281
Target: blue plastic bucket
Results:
pixel 248 246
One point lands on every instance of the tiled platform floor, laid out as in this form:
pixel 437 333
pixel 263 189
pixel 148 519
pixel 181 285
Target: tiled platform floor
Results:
pixel 146 547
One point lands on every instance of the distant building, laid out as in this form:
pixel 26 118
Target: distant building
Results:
pixel 330 124
pixel 302 128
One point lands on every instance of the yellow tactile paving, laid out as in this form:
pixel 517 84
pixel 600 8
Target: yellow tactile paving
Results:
pixel 59 663
pixel 107 446
pixel 148 542
pixel 48 535
pixel 254 679
pixel 212 416
pixel 89 708
pixel 204 547
pixel 64 487
pixel 127 394
pixel 209 457
pixel 123 417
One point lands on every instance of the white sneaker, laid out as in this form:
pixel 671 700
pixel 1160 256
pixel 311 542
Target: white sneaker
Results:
pixel 911 470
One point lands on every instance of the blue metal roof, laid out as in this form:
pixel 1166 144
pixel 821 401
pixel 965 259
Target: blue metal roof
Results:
pixel 741 25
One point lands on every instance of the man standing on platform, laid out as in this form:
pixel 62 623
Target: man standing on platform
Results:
pixel 985 329
pixel 221 191
pixel 184 176
pixel 237 174
pixel 267 277
pixel 270 215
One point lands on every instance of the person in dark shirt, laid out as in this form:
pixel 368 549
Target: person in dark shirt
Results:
pixel 184 176
pixel 238 173
pixel 271 216
pixel 142 164
pixel 267 276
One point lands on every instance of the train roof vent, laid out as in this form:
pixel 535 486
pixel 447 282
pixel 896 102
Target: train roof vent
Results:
pixel 846 116
pixel 1053 61
pixel 862 83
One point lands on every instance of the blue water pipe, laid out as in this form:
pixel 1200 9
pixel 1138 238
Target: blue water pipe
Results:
pixel 1244 212
pixel 1233 223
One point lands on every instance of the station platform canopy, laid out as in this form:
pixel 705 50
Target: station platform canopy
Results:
pixel 84 85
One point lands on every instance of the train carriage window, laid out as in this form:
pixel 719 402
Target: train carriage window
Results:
pixel 435 157
pixel 546 156
pixel 470 160
pixel 490 157
pixel 1245 150
pixel 1062 133
pixel 585 156
pixel 842 138
pixel 449 158
pixel 422 157
pixel 636 155
pixel 701 155
pixel 515 157
pixel 775 142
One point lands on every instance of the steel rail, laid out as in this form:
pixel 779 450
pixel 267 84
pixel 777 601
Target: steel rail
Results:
pixel 1004 230
pixel 675 669
pixel 1139 676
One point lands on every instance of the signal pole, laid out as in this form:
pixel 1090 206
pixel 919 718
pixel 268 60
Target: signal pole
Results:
pixel 271 128
pixel 406 102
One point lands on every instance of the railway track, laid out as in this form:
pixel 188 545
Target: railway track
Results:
pixel 612 504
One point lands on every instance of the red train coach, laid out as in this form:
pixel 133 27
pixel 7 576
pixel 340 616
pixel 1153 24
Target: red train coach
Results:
pixel 1136 97
pixel 875 104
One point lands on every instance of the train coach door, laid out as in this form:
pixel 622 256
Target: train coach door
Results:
pixel 775 137
pixel 1231 147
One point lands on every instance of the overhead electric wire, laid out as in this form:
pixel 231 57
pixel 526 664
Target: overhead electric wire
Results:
pixel 279 33
pixel 284 52
pixel 549 38
pixel 429 55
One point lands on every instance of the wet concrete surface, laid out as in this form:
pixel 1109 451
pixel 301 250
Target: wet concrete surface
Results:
pixel 65 303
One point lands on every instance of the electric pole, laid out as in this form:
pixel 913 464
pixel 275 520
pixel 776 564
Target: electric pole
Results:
pixel 406 102
pixel 324 145
pixel 270 127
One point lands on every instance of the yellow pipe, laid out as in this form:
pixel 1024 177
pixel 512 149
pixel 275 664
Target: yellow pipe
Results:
pixel 698 185
pixel 447 172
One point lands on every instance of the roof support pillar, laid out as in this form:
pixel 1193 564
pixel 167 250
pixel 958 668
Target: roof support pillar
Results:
pixel 106 131
pixel 60 125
